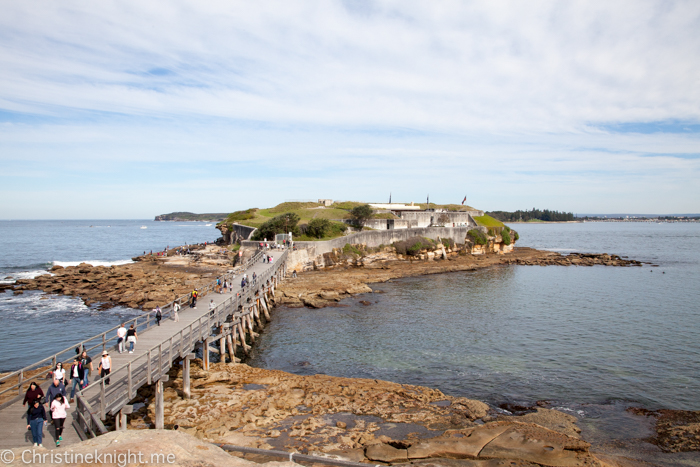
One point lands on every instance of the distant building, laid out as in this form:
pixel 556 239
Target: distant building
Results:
pixel 325 202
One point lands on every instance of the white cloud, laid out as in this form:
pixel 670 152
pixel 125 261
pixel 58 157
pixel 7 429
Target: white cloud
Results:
pixel 383 90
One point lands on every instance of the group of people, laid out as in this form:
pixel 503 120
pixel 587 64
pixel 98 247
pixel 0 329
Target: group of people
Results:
pixel 56 399
pixel 126 336
pixel 56 395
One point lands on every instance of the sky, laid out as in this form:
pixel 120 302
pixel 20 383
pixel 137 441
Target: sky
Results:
pixel 130 109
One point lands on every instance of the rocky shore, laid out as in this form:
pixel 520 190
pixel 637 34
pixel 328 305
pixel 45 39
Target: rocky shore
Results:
pixel 361 420
pixel 343 275
pixel 149 281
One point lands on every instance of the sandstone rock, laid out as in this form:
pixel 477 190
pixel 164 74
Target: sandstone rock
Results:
pixel 472 463
pixel 474 409
pixel 385 453
pixel 539 445
pixel 554 420
pixel 329 295
pixel 352 455
pixel 183 449
pixel 468 446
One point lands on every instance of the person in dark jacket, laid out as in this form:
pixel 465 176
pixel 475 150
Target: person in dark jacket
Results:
pixel 57 387
pixel 76 376
pixel 36 419
pixel 34 392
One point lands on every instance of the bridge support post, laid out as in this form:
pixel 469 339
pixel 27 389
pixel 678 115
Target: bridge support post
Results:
pixel 222 345
pixel 186 390
pixel 231 347
pixel 120 419
pixel 205 355
pixel 241 335
pixel 160 419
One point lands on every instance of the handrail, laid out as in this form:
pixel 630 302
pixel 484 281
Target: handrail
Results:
pixel 184 337
pixel 103 336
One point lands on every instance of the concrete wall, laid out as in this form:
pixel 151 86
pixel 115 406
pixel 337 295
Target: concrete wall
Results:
pixel 374 238
pixel 424 218
pixel 386 224
pixel 237 232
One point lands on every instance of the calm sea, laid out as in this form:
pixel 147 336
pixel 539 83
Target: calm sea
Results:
pixel 34 324
pixel 519 334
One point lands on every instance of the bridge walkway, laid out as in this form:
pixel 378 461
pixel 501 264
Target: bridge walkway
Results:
pixel 154 352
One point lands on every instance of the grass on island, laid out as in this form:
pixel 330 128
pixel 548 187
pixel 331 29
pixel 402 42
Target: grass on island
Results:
pixel 307 211
pixel 488 221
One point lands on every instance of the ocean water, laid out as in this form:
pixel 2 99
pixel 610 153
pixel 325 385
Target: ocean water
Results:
pixel 36 324
pixel 520 334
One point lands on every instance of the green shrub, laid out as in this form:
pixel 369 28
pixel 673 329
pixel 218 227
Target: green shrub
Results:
pixel 506 237
pixel 361 214
pixel 281 224
pixel 349 249
pixel 318 228
pixel 516 237
pixel 478 237
pixel 448 242
pixel 506 228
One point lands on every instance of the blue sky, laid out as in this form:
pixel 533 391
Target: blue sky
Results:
pixel 132 109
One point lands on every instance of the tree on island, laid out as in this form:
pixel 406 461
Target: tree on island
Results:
pixel 360 215
pixel 283 223
pixel 318 228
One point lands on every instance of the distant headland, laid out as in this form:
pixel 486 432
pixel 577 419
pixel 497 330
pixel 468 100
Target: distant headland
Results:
pixel 190 216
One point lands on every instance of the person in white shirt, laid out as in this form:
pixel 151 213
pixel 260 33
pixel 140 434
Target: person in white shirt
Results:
pixel 59 373
pixel 105 366
pixel 176 312
pixel 121 335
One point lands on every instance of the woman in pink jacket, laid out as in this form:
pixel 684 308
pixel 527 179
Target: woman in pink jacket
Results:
pixel 59 414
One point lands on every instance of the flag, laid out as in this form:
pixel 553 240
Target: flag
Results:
pixel 428 200
pixel 465 198
pixel 389 197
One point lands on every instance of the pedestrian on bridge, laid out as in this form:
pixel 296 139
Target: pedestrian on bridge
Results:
pixel 59 373
pixel 131 338
pixel 159 315
pixel 77 375
pixel 86 361
pixel 105 366
pixel 176 312
pixel 36 419
pixel 34 392
pixel 58 415
pixel 121 335
pixel 54 390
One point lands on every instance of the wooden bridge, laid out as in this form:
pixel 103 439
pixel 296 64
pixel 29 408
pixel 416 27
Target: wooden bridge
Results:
pixel 232 322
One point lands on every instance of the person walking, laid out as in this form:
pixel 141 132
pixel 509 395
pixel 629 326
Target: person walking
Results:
pixel 159 315
pixel 58 415
pixel 55 389
pixel 212 307
pixel 34 392
pixel 105 366
pixel 59 373
pixel 176 312
pixel 36 419
pixel 121 335
pixel 86 361
pixel 131 338
pixel 76 375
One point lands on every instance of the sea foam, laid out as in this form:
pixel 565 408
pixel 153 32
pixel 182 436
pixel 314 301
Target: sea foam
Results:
pixel 93 262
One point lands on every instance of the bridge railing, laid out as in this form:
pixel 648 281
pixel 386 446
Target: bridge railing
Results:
pixel 16 380
pixel 101 398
